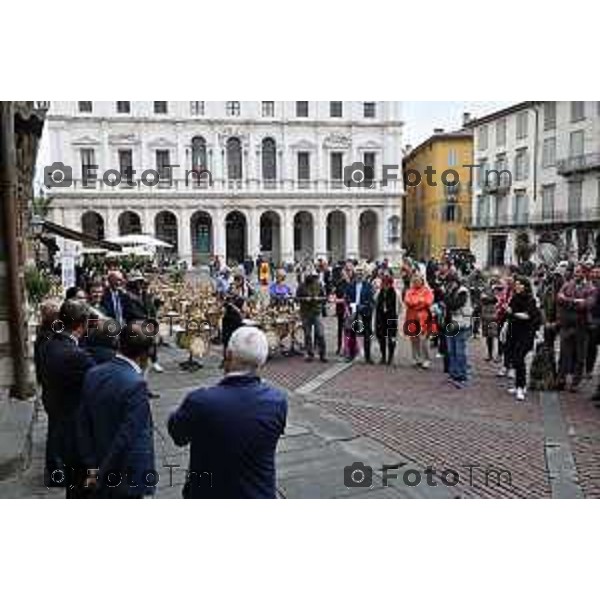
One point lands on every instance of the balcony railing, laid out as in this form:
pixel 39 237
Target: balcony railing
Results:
pixel 504 221
pixel 578 164
pixel 555 218
pixel 219 186
pixel 496 185
pixel 568 216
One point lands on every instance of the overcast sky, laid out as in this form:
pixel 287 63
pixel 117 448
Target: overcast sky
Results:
pixel 420 118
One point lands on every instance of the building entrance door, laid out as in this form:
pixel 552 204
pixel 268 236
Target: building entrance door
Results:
pixel 497 250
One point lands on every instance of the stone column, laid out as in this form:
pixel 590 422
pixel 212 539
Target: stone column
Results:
pixel 219 238
pixel 147 221
pixel 112 223
pixel 321 234
pixel 253 248
pixel 352 233
pixel 184 235
pixel 287 236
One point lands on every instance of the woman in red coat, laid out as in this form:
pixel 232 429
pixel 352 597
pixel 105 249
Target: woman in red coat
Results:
pixel 418 323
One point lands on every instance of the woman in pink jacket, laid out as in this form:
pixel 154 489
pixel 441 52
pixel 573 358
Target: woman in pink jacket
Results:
pixel 418 322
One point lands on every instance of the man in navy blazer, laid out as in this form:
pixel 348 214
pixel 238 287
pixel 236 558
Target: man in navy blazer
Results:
pixel 62 366
pixel 233 427
pixel 360 296
pixel 115 432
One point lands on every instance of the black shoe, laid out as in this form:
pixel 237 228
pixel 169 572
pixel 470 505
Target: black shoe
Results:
pixel 323 359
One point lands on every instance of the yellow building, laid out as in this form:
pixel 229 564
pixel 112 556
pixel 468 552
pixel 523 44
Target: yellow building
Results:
pixel 436 215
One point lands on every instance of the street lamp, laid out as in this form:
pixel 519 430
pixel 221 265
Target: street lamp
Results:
pixel 36 225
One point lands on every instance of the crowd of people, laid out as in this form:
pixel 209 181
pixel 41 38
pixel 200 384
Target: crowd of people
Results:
pixel 98 402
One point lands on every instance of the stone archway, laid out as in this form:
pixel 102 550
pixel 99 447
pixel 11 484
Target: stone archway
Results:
pixel 129 223
pixel 270 236
pixel 236 237
pixel 201 226
pixel 336 236
pixel 367 235
pixel 92 224
pixel 304 235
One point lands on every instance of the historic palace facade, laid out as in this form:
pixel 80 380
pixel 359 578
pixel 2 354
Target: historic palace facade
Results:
pixel 277 181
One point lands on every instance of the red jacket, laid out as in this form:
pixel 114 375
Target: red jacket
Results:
pixel 418 302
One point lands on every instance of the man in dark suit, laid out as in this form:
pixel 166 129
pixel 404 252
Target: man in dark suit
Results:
pixel 233 427
pixel 62 367
pixel 115 424
pixel 115 301
pixel 360 297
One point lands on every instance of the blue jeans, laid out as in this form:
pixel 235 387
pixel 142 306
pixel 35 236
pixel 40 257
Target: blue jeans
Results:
pixel 457 354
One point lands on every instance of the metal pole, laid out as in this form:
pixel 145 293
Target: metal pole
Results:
pixel 8 205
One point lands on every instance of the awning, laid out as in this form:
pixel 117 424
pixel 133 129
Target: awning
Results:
pixel 72 234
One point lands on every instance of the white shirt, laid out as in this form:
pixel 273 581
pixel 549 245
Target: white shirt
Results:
pixel 131 363
pixel 238 374
pixel 358 291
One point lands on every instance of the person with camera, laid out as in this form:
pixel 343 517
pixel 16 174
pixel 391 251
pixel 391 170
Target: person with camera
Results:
pixel 311 296
pixel 459 318
pixel 489 327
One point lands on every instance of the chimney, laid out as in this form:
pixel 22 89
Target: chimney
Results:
pixel 466 118
pixel 438 130
pixel 407 149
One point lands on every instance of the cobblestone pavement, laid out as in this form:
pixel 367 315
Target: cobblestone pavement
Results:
pixel 412 419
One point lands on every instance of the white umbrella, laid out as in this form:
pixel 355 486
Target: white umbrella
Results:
pixel 138 239
pixel 93 251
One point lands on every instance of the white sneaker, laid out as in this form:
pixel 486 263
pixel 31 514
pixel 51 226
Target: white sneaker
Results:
pixel 502 372
pixel 157 368
pixel 512 390
pixel 520 394
pixel 426 364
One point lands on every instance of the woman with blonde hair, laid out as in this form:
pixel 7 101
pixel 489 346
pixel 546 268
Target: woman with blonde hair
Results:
pixel 418 321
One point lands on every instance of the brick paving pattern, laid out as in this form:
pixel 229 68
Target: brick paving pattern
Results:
pixel 414 416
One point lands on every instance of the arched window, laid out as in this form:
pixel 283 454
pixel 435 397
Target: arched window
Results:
pixel 92 224
pixel 199 152
pixel 269 159
pixel 234 158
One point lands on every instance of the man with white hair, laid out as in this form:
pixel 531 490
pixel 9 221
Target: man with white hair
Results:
pixel 233 428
